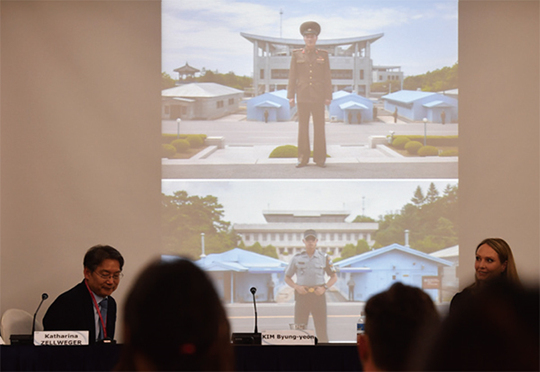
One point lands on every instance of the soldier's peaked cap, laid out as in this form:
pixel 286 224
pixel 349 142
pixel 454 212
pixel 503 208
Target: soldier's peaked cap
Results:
pixel 310 27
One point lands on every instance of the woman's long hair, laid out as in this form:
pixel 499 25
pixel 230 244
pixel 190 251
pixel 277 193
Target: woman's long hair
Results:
pixel 505 255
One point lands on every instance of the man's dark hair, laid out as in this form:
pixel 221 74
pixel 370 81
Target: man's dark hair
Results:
pixel 395 320
pixel 99 253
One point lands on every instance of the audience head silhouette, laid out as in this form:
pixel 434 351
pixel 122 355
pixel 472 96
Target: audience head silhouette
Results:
pixel 174 320
pixel 396 320
pixel 496 331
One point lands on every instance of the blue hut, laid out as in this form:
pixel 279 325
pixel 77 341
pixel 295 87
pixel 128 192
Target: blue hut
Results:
pixel 272 106
pixel 236 271
pixel 417 105
pixel 375 271
pixel 350 108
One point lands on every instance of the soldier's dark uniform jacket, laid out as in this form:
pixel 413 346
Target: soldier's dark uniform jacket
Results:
pixel 309 76
pixel 310 270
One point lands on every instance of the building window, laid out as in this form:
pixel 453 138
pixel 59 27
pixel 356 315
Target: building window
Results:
pixel 340 236
pixel 231 101
pixel 341 74
pixel 361 74
pixel 280 74
pixel 264 236
pixel 219 104
pixel 281 237
pixel 380 78
pixel 332 236
pixel 262 74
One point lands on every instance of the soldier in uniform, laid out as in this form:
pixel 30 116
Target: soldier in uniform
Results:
pixel 310 287
pixel 310 82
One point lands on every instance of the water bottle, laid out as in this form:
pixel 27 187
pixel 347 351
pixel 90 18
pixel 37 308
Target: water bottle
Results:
pixel 360 324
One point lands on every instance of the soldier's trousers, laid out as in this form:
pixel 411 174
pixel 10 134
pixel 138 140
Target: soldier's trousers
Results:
pixel 316 305
pixel 316 110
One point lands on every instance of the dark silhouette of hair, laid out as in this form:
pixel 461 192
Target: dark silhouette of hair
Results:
pixel 498 330
pixel 99 253
pixel 396 319
pixel 175 321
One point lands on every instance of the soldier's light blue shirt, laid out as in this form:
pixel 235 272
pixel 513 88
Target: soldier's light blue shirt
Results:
pixel 310 270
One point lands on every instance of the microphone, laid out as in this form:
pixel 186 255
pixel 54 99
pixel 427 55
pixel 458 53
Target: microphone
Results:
pixel 249 338
pixel 28 339
pixel 253 290
pixel 44 296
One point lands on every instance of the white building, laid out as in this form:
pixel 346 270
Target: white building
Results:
pixel 350 62
pixel 284 230
pixel 204 101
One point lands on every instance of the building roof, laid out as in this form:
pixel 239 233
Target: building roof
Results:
pixel 299 43
pixel 268 104
pixel 285 227
pixel 446 253
pixel 186 69
pixel 352 105
pixel 437 103
pixel 240 260
pixel 407 96
pixel 199 90
pixel 340 93
pixel 393 247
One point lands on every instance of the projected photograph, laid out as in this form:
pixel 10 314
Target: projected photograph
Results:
pixel 233 77
pixel 366 234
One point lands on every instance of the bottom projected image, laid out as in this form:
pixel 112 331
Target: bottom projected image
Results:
pixel 312 252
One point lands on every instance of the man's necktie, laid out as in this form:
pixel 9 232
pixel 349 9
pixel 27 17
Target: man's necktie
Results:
pixel 103 309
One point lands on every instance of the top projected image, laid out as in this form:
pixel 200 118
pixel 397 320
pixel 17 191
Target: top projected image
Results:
pixel 309 89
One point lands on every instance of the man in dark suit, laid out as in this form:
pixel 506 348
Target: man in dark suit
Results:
pixel 310 82
pixel 89 306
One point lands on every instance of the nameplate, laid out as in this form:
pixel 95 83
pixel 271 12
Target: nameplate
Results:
pixel 288 337
pixel 61 338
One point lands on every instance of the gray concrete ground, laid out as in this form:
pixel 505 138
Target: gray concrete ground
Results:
pixel 249 144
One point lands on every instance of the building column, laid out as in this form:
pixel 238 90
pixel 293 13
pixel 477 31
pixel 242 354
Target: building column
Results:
pixel 369 72
pixel 255 68
pixel 267 69
pixel 356 73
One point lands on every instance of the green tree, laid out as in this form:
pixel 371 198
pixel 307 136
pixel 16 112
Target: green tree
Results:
pixel 351 250
pixel 167 81
pixel 432 194
pixel 185 217
pixel 431 221
pixel 434 81
pixel 229 79
pixel 418 198
pixel 361 218
pixel 269 250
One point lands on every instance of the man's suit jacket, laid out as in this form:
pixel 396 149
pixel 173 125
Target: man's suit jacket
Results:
pixel 74 311
pixel 309 76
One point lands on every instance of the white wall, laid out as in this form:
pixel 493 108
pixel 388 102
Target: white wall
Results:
pixel 499 130
pixel 79 141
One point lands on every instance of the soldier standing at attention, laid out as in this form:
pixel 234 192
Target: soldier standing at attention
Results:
pixel 309 289
pixel 310 82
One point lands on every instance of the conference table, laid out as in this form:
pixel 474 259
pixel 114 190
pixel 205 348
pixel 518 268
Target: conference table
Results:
pixel 322 357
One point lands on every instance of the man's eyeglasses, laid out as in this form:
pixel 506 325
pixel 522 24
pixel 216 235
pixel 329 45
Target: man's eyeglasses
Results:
pixel 106 275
